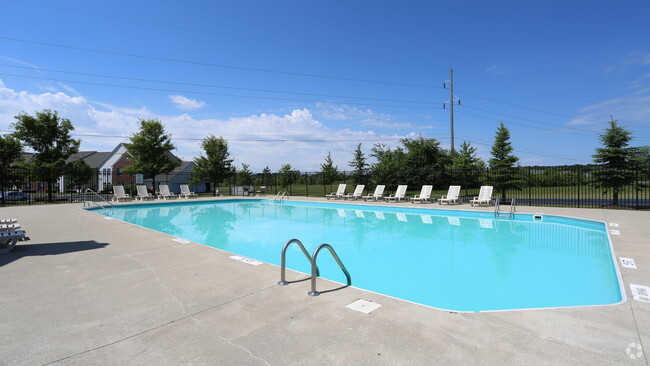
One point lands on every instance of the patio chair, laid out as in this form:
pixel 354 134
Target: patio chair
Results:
pixel 340 192
pixel 119 194
pixel 358 191
pixel 9 227
pixel 185 192
pixel 165 193
pixel 143 194
pixel 379 193
pixel 424 196
pixel 8 221
pixel 9 239
pixel 400 194
pixel 452 195
pixel 484 196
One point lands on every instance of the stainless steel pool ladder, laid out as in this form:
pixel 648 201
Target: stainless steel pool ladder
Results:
pixel 497 210
pixel 88 190
pixel 312 261
pixel 280 196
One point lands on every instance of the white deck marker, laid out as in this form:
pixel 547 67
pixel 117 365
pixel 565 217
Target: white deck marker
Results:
pixel 640 293
pixel 245 260
pixel 613 224
pixel 627 262
pixel 182 241
pixel 363 306
pixel 615 232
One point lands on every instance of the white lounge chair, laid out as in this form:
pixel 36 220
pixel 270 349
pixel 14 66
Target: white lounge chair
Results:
pixel 9 227
pixel 165 193
pixel 400 194
pixel 340 192
pixel 358 192
pixel 452 195
pixel 119 194
pixel 424 196
pixel 185 192
pixel 484 196
pixel 8 221
pixel 8 240
pixel 379 193
pixel 143 194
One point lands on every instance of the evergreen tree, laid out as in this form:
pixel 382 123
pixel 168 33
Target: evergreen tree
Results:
pixel 287 176
pixel 266 176
pixel 245 175
pixel 328 171
pixel 216 166
pixel 617 160
pixel 358 163
pixel 502 164
pixel 49 136
pixel 466 167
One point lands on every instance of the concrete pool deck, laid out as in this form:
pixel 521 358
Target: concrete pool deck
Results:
pixel 86 290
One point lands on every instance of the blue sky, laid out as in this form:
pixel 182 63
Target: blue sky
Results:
pixel 290 81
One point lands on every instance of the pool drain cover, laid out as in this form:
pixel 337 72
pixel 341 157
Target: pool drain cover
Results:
pixel 363 306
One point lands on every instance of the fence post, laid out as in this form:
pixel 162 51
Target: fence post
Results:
pixel 306 185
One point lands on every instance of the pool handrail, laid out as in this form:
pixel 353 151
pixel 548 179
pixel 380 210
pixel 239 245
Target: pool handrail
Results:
pixel 314 268
pixel 283 260
pixel 88 190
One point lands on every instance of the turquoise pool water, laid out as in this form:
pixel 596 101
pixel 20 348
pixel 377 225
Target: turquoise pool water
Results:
pixel 454 260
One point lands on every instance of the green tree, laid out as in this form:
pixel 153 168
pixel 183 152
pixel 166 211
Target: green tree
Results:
pixel 79 173
pixel 617 161
pixel 502 164
pixel 245 175
pixel 266 176
pixel 150 151
pixel 49 136
pixel 10 153
pixel 328 171
pixel 466 168
pixel 216 166
pixel 358 163
pixel 425 161
pixel 287 175
pixel 389 166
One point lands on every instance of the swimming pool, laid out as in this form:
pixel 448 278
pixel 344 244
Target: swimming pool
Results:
pixel 453 260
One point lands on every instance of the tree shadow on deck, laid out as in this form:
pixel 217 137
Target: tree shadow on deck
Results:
pixel 26 249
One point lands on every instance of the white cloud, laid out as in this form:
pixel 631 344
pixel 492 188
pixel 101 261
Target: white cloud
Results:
pixel 186 103
pixel 272 139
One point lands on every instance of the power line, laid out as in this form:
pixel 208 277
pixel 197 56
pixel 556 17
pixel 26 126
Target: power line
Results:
pixel 479 142
pixel 212 85
pixel 214 94
pixel 228 35
pixel 527 119
pixel 528 108
pixel 234 67
pixel 523 87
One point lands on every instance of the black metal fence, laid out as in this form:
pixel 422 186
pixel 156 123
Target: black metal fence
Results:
pixel 562 186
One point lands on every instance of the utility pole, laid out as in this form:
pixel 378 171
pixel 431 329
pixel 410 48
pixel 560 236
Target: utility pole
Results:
pixel 452 99
pixel 451 107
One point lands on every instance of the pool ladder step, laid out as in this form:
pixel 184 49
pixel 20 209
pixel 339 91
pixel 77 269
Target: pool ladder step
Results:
pixel 312 261
pixel 497 210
